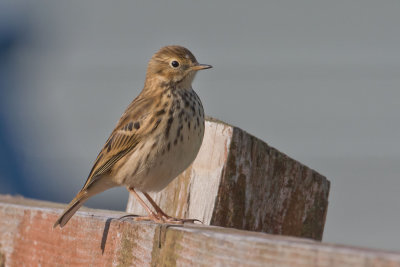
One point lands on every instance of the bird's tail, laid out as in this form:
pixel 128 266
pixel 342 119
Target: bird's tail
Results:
pixel 98 186
pixel 73 206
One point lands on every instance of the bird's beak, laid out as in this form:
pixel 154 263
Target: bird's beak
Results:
pixel 201 67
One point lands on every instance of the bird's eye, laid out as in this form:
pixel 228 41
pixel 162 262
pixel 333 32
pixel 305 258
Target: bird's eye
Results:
pixel 174 64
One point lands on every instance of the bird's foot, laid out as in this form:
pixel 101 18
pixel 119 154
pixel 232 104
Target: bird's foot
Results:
pixel 172 220
pixel 181 221
pixel 159 218
pixel 153 217
pixel 158 215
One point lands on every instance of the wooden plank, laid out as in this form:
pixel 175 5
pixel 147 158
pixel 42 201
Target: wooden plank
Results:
pixel 97 238
pixel 239 181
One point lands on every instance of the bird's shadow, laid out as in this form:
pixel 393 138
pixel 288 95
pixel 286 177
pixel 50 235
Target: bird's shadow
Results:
pixel 105 235
pixel 107 229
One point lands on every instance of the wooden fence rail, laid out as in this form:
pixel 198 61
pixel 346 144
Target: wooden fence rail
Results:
pixel 98 238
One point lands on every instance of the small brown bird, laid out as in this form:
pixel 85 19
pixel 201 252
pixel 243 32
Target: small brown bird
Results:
pixel 157 137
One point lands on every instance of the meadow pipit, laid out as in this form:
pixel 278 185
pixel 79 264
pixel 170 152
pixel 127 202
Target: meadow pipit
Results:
pixel 157 137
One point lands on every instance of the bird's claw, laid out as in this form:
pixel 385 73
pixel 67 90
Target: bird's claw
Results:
pixel 158 218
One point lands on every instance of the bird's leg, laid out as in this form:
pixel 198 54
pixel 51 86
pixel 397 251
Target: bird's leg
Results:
pixel 155 206
pixel 163 215
pixel 152 216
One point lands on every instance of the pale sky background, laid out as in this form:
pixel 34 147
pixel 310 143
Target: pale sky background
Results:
pixel 318 80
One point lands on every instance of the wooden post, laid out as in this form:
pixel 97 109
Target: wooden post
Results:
pixel 239 181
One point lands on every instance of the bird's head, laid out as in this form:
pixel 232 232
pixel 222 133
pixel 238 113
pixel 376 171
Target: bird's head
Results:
pixel 174 65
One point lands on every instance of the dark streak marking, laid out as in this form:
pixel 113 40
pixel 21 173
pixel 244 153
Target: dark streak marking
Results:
pixel 156 125
pixel 169 123
pixel 160 112
pixel 100 157
pixel 123 139
pixel 137 125
pixel 116 141
pixel 108 145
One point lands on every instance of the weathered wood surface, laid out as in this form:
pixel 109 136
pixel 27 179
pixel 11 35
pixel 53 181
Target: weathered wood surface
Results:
pixel 239 181
pixel 97 238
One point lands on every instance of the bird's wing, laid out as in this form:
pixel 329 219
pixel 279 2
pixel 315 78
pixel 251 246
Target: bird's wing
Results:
pixel 124 138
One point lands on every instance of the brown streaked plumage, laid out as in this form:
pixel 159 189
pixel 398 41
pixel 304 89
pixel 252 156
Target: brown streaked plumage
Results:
pixel 156 138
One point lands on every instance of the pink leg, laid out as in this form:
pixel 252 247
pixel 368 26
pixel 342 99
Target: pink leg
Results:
pixel 152 216
pixel 166 217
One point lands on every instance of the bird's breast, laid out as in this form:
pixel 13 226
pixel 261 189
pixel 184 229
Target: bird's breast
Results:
pixel 169 149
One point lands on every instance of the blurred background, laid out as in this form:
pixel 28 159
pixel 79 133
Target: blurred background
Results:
pixel 318 80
